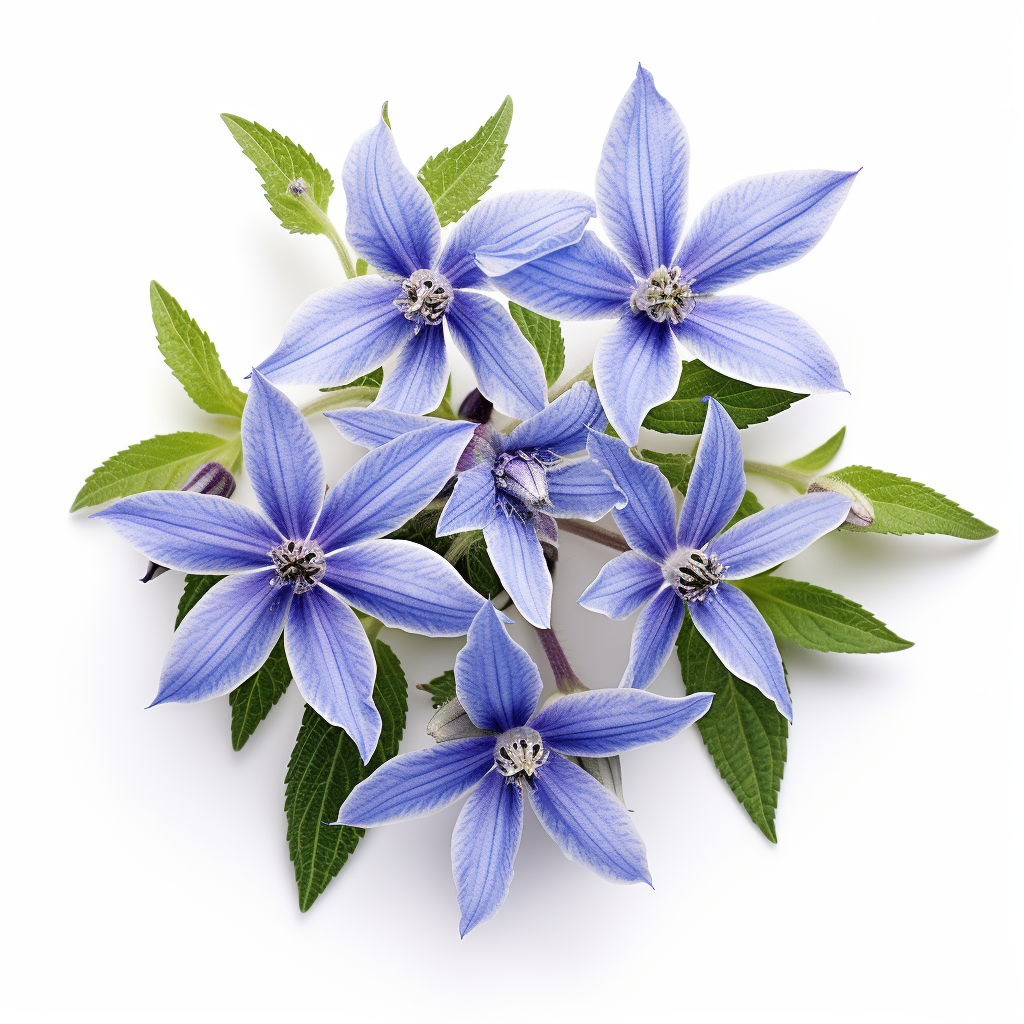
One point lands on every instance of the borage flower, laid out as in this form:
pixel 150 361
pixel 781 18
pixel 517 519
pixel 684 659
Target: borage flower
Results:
pixel 499 686
pixel 512 486
pixel 343 332
pixel 295 569
pixel 659 284
pixel 672 569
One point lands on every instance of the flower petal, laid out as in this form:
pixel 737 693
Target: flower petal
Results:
pixel 417 383
pixel 498 684
pixel 391 220
pixel 603 723
pixel 760 224
pixel 717 483
pixel 561 428
pixel 225 638
pixel 506 231
pixel 581 490
pixel 738 634
pixel 777 533
pixel 282 458
pixel 641 180
pixel 507 368
pixel 339 334
pixel 760 343
pixel 472 505
pixel 390 484
pixel 193 532
pixel 418 783
pixel 648 520
pixel 587 822
pixel 375 426
pixel 626 582
pixel 654 635
pixel 484 847
pixel 333 665
pixel 404 585
pixel 584 281
pixel 518 559
pixel 636 367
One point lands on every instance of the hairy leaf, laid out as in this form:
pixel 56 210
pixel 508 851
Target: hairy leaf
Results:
pixel 545 336
pixel 821 456
pixel 251 702
pixel 441 689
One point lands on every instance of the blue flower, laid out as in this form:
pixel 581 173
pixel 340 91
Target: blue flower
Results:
pixel 295 569
pixel 340 333
pixel 660 285
pixel 511 486
pixel 499 686
pixel 671 569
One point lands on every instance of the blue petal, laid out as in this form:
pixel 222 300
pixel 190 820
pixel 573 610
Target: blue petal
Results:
pixel 413 784
pixel 333 665
pixel 717 483
pixel 193 532
pixel 390 484
pixel 373 427
pixel 495 680
pixel 484 847
pixel 502 233
pixel 654 635
pixel 623 585
pixel 581 490
pixel 588 822
pixel 518 559
pixel 648 521
pixel 636 367
pixel 404 585
pixel 507 368
pixel 585 281
pixel 760 224
pixel 391 220
pixel 561 428
pixel 738 634
pixel 339 334
pixel 417 383
pixel 777 533
pixel 641 180
pixel 603 723
pixel 472 505
pixel 760 343
pixel 225 638
pixel 282 458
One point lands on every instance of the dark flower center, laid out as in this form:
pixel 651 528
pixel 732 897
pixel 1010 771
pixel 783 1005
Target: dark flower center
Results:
pixel 698 575
pixel 523 478
pixel 426 296
pixel 518 754
pixel 299 564
pixel 664 296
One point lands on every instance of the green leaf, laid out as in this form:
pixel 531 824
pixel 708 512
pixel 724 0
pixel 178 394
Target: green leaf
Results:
pixel 545 336
pixel 818 618
pixel 192 357
pixel 748 506
pixel 280 163
pixel 684 413
pixel 195 587
pixel 361 268
pixel 441 689
pixel 444 410
pixel 821 456
pixel 159 463
pixel 743 730
pixel 324 768
pixel 373 379
pixel 251 702
pixel 675 467
pixel 384 115
pixel 457 178
pixel 903 506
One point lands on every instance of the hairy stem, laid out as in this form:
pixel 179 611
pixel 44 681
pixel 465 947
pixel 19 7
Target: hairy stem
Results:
pixel 565 679
pixel 787 476
pixel 462 543
pixel 594 533
pixel 332 233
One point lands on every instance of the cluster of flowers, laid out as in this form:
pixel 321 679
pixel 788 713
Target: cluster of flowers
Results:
pixel 302 566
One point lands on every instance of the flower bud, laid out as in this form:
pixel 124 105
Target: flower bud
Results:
pixel 475 408
pixel 861 511
pixel 525 478
pixel 450 722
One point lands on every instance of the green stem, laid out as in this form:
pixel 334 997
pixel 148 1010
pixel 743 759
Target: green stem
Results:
pixel 331 232
pixel 799 481
pixel 587 374
pixel 340 399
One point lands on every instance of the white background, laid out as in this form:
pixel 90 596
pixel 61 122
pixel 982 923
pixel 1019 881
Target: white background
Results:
pixel 146 871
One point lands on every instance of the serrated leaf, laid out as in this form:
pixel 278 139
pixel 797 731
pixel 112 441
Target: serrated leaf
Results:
pixel 323 770
pixel 195 587
pixel 457 178
pixel 545 336
pixel 684 413
pixel 441 688
pixel 821 456
pixel 903 506
pixel 158 463
pixel 817 618
pixel 251 702
pixel 192 357
pixel 743 730
pixel 674 466
pixel 281 162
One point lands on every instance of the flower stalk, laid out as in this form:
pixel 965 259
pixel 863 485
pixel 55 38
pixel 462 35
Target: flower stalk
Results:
pixel 330 231
pixel 565 679
pixel 595 533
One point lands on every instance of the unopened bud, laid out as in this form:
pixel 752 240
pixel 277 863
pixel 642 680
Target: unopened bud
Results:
pixel 862 512
pixel 297 187
pixel 475 408
pixel 451 722
pixel 525 478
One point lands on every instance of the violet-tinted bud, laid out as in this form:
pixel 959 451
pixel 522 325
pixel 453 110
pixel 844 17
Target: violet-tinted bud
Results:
pixel 475 408
pixel 862 512
pixel 523 477
pixel 450 722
